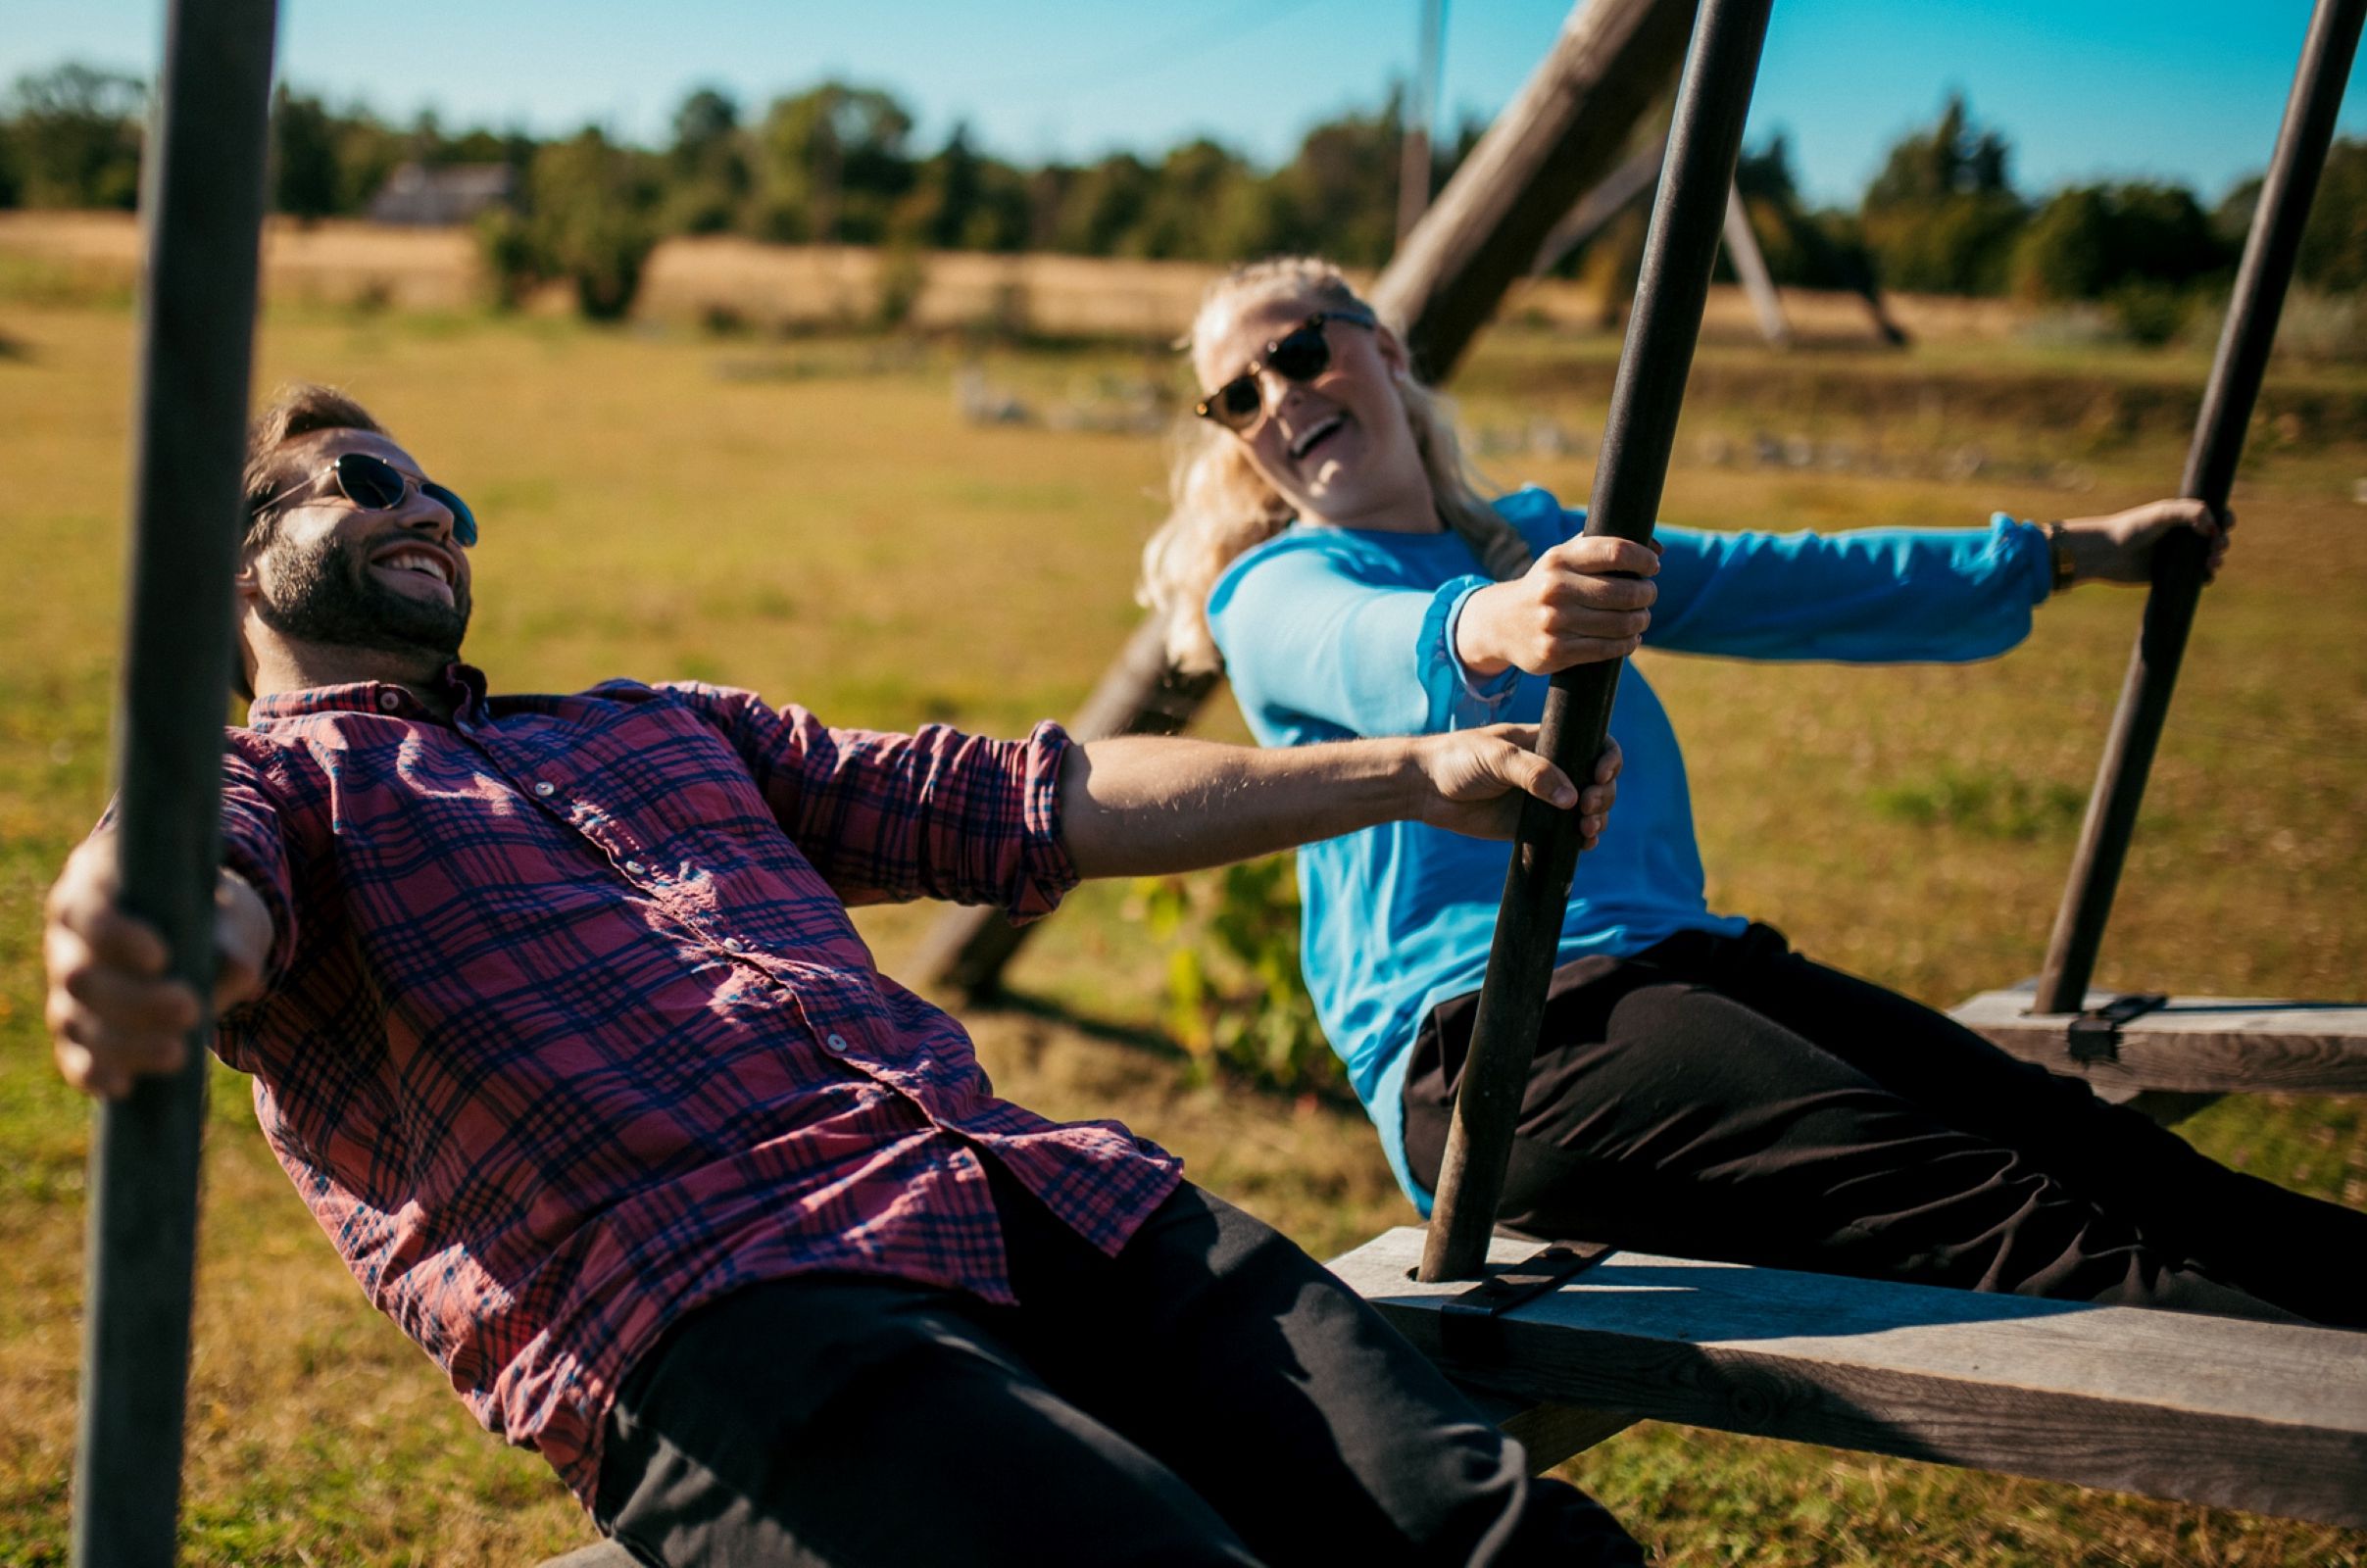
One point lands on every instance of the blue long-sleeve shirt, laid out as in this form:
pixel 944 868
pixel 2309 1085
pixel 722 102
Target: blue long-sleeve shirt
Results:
pixel 1333 632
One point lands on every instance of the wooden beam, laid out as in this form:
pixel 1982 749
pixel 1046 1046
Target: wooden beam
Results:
pixel 2194 1045
pixel 2244 343
pixel 1598 207
pixel 1741 249
pixel 1704 140
pixel 1559 137
pixel 202 203
pixel 2263 1416
pixel 1612 59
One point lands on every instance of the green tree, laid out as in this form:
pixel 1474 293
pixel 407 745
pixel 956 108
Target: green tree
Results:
pixel 963 200
pixel 1203 206
pixel 2090 240
pixel 307 178
pixel 1338 195
pixel 831 165
pixel 589 221
pixel 707 172
pixel 75 137
pixel 1942 216
pixel 2333 244
pixel 1102 206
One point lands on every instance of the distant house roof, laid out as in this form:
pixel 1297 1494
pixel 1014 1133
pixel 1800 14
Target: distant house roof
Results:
pixel 439 197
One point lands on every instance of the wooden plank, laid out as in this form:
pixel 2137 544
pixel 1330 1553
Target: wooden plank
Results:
pixel 2195 1044
pixel 2261 1416
pixel 1550 1433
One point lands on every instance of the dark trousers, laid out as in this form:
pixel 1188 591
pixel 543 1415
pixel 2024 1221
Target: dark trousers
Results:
pixel 1211 1396
pixel 1724 1098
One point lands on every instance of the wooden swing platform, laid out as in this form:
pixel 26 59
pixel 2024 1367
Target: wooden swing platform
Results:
pixel 2260 1416
pixel 2186 1045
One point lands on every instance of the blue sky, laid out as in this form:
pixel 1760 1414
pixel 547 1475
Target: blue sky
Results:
pixel 2189 90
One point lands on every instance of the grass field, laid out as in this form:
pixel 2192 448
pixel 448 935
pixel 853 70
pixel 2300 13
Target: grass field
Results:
pixel 811 518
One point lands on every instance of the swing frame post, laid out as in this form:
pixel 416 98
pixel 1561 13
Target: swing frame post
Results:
pixel 202 200
pixel 2245 339
pixel 1688 220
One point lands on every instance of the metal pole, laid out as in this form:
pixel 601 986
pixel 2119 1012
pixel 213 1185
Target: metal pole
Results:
pixel 203 201
pixel 1679 249
pixel 2244 342
pixel 1420 113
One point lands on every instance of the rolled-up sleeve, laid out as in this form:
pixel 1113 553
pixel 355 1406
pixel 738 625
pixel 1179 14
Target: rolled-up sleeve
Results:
pixel 888 817
pixel 255 847
pixel 1302 634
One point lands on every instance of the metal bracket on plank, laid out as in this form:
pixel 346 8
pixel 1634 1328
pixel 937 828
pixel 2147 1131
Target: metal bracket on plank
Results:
pixel 1468 1327
pixel 2094 1035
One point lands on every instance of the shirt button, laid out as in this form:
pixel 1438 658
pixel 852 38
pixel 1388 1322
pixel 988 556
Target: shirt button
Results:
pixel 632 868
pixel 545 788
pixel 836 1045
pixel 388 702
pixel 734 945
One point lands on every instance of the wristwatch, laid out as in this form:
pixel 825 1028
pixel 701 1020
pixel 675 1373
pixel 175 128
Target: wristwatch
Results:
pixel 2058 552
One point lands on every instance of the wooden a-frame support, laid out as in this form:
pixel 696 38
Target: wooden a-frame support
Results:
pixel 202 199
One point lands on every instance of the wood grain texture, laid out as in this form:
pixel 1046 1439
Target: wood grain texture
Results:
pixel 2200 1044
pixel 2265 1417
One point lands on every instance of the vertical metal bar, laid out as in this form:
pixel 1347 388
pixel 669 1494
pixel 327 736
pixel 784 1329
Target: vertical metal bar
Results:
pixel 1419 116
pixel 2244 342
pixel 203 199
pixel 1703 142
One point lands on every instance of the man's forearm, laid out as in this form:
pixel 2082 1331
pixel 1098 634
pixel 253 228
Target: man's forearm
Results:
pixel 1137 806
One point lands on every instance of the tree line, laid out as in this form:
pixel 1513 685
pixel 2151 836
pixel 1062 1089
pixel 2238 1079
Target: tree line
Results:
pixel 840 164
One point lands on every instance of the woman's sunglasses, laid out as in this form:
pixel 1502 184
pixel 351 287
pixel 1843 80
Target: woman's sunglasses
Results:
pixel 376 485
pixel 1300 355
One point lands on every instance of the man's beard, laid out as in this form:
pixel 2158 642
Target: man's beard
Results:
pixel 324 592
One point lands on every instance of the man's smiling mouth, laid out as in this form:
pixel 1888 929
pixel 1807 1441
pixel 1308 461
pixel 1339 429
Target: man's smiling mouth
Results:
pixel 420 561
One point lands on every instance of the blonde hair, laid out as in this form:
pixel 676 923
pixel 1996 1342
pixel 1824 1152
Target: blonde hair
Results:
pixel 1220 506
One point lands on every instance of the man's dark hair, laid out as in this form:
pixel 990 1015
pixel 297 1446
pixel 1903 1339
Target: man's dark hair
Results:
pixel 298 409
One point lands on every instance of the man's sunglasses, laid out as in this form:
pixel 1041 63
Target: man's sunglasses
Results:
pixel 376 485
pixel 1300 355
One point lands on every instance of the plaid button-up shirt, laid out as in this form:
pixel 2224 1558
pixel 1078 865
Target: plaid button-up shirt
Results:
pixel 566 1030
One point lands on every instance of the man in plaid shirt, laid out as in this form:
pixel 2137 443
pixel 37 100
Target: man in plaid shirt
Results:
pixel 558 1022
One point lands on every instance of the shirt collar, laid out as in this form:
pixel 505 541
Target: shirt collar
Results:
pixel 464 682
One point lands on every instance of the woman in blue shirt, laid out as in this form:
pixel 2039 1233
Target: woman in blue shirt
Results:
pixel 1698 1088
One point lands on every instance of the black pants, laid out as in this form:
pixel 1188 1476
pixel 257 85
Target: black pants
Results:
pixel 1723 1098
pixel 1211 1396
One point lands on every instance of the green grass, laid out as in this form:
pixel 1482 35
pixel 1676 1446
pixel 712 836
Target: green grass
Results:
pixel 829 532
